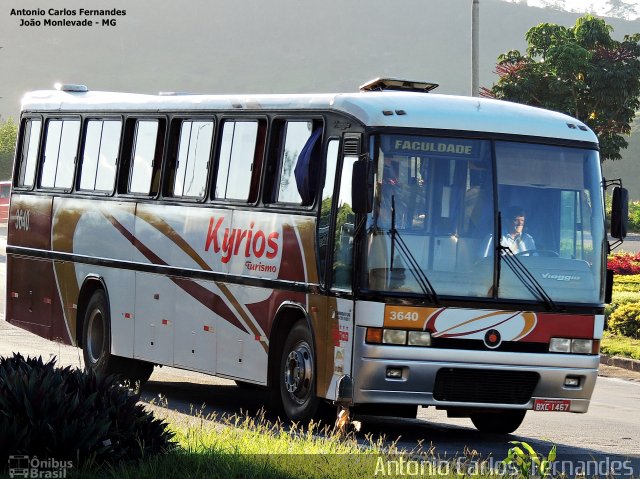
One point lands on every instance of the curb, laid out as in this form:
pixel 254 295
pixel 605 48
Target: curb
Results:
pixel 618 362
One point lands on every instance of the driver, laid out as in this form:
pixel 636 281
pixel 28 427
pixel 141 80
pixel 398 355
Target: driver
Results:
pixel 516 239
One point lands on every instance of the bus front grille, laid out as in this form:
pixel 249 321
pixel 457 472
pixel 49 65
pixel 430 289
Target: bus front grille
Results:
pixel 484 386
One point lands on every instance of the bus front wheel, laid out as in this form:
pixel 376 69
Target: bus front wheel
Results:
pixel 295 391
pixel 499 422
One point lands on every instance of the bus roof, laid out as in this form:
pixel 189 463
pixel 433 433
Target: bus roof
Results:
pixel 392 109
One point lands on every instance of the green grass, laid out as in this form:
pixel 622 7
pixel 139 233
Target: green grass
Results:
pixel 620 346
pixel 245 447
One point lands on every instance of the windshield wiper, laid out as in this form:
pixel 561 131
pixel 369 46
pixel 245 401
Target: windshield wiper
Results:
pixel 525 276
pixel 414 267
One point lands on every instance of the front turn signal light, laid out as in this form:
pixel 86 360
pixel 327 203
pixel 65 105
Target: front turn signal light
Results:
pixel 374 335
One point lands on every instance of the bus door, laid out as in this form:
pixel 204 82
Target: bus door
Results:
pixel 340 304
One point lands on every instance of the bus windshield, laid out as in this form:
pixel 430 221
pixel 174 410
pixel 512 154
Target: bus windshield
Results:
pixel 436 212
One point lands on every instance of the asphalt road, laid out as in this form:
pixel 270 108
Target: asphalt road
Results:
pixel 609 432
pixel 631 244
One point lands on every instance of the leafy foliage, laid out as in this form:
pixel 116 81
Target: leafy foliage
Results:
pixel 527 462
pixel 580 71
pixel 67 414
pixel 630 283
pixel 8 135
pixel 634 217
pixel 625 320
pixel 624 264
pixel 626 289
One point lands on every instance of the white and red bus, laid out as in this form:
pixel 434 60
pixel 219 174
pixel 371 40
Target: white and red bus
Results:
pixel 335 248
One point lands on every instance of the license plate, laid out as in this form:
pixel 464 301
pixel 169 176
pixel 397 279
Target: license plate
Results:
pixel 552 405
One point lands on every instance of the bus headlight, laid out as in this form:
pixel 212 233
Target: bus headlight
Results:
pixel 581 346
pixel 394 336
pixel 419 338
pixel 560 345
pixel 576 346
pixel 400 337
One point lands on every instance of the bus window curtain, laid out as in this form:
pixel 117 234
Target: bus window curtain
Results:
pixel 307 168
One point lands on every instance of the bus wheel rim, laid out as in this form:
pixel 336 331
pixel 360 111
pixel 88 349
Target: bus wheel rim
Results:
pixel 298 372
pixel 95 339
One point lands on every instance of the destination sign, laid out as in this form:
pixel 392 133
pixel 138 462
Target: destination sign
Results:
pixel 415 145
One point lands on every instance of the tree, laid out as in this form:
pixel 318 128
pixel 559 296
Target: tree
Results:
pixel 8 135
pixel 580 71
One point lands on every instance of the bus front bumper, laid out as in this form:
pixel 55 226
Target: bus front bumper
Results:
pixel 464 379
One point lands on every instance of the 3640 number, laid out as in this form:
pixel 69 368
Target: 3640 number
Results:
pixel 404 316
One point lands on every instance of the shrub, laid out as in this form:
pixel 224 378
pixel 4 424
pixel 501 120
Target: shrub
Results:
pixel 70 415
pixel 625 296
pixel 634 216
pixel 625 320
pixel 624 263
pixel 629 282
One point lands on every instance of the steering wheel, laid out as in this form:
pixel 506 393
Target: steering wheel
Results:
pixel 538 252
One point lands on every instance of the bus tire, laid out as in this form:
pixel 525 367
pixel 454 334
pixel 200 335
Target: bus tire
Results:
pixel 96 336
pixel 295 389
pixel 499 422
pixel 136 370
pixel 96 341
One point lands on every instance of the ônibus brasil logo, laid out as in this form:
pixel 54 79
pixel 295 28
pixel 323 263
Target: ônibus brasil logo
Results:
pixel 237 241
pixel 32 467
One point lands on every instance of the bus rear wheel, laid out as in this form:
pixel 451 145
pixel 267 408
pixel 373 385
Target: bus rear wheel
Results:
pixel 295 389
pixel 499 422
pixel 96 345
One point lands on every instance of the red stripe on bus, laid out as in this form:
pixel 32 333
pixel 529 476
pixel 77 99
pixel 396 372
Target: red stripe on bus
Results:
pixel 201 294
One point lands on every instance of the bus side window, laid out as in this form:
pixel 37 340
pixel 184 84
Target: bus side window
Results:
pixel 324 224
pixel 145 159
pixel 60 150
pixel 29 156
pixel 189 173
pixel 99 160
pixel 298 164
pixel 241 152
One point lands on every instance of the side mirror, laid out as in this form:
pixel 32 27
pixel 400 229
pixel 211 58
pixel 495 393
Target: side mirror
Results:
pixel 619 213
pixel 362 186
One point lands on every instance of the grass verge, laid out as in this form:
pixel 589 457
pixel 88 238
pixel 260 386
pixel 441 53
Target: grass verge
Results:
pixel 622 346
pixel 247 447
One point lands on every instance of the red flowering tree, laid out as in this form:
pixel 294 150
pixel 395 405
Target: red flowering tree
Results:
pixel 580 71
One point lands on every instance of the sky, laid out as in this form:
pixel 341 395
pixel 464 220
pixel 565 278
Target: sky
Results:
pixel 627 9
